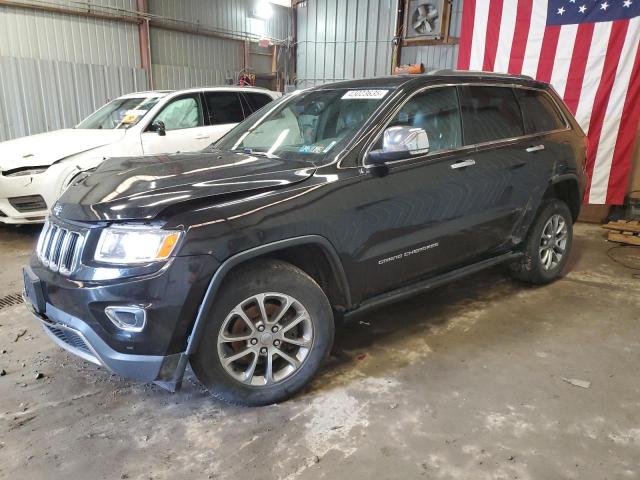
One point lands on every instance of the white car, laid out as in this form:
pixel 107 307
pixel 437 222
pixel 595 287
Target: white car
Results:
pixel 35 170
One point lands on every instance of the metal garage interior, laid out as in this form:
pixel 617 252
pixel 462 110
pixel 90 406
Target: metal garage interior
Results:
pixel 482 378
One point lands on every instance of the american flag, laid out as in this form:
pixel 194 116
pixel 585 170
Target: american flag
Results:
pixel 588 50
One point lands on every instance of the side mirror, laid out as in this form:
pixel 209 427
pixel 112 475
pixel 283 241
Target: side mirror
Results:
pixel 400 142
pixel 158 127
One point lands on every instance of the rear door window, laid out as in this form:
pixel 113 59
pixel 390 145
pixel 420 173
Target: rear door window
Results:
pixel 489 114
pixel 539 111
pixel 224 107
pixel 257 100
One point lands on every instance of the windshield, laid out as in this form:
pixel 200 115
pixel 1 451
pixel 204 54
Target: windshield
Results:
pixel 304 126
pixel 121 113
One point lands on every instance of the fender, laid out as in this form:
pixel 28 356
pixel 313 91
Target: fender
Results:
pixel 557 178
pixel 520 231
pixel 235 260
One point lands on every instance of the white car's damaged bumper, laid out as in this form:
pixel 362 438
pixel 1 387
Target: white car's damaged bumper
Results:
pixel 28 198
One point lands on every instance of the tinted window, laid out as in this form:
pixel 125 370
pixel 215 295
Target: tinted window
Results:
pixel 490 113
pixel 435 111
pixel 183 112
pixel 224 107
pixel 540 113
pixel 257 100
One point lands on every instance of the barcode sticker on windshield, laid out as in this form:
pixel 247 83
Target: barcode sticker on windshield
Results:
pixel 364 94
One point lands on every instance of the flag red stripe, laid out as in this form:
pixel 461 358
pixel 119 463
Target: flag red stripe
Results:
pixel 466 34
pixel 614 48
pixel 493 33
pixel 548 52
pixel 621 164
pixel 578 65
pixel 520 36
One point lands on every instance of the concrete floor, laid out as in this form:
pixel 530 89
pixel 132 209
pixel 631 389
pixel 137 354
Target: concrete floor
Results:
pixel 465 382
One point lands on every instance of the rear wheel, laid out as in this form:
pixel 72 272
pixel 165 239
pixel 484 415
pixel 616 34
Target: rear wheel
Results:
pixel 267 335
pixel 547 246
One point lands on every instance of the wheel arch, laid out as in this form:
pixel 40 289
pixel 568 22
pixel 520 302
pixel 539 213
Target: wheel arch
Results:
pixel 567 189
pixel 330 276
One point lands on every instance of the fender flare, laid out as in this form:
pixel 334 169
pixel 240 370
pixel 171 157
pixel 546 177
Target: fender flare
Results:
pixel 235 260
pixel 565 176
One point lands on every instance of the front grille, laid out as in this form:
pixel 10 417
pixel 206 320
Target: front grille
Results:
pixel 59 248
pixel 29 203
pixel 70 338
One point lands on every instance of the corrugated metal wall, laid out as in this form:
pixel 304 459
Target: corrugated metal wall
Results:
pixel 340 39
pixel 56 69
pixel 183 59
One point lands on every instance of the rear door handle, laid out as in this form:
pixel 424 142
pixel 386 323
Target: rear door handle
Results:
pixel 463 164
pixel 537 148
pixel 201 137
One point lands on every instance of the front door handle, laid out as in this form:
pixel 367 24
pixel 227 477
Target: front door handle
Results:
pixel 463 164
pixel 201 137
pixel 537 148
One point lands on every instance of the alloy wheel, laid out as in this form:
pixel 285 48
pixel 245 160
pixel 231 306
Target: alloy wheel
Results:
pixel 265 339
pixel 553 243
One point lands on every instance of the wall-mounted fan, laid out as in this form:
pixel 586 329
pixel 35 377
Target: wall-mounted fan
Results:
pixel 423 19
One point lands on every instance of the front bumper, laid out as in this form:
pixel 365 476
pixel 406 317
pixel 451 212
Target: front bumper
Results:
pixel 47 184
pixel 72 313
pixel 78 338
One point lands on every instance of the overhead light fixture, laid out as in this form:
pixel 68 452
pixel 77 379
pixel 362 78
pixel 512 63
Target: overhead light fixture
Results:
pixel 262 10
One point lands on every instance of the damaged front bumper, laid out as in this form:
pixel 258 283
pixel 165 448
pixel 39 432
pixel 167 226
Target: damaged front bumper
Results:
pixel 75 336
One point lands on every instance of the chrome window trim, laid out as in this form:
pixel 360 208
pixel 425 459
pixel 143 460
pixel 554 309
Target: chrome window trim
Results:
pixel 503 141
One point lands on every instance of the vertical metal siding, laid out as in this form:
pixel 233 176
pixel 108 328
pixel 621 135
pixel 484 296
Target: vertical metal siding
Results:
pixel 182 60
pixel 229 15
pixel 55 69
pixel 66 38
pixel 38 95
pixel 340 40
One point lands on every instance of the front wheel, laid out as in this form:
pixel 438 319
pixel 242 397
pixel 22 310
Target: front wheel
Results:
pixel 266 336
pixel 547 246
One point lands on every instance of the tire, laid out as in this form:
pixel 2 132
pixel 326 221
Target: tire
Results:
pixel 285 291
pixel 535 267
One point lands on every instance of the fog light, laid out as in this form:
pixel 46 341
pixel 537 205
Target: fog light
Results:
pixel 131 319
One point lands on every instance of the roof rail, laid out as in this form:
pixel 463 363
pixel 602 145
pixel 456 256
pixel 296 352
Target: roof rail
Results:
pixel 475 73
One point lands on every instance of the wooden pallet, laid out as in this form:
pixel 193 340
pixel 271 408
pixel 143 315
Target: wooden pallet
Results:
pixel 624 231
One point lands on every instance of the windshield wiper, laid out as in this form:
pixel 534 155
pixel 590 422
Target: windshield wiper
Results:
pixel 257 153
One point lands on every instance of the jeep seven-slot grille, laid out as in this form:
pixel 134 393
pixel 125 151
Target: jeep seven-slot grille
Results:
pixel 59 248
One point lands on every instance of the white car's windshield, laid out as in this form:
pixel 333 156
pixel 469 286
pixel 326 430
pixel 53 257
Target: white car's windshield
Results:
pixel 120 113
pixel 305 125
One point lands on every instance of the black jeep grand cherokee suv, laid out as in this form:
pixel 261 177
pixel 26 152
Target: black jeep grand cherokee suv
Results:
pixel 328 202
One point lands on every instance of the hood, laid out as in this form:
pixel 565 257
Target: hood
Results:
pixel 47 148
pixel 139 188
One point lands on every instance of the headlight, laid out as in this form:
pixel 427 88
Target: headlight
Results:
pixel 131 244
pixel 25 172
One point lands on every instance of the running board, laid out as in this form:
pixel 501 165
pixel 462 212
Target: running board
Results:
pixel 425 285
